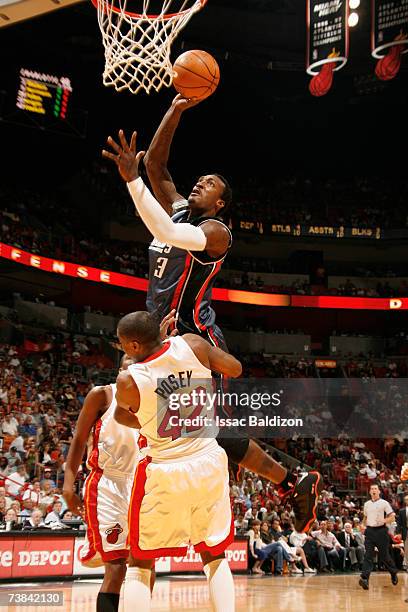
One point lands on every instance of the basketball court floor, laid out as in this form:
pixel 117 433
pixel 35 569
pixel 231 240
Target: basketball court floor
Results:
pixel 254 594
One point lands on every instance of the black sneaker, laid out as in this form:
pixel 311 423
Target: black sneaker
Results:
pixel 363 582
pixel 304 500
pixel 394 579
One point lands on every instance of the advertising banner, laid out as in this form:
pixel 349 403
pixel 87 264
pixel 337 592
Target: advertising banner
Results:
pixel 79 569
pixel 389 26
pixel 36 556
pixel 6 557
pixel 236 555
pixel 327 34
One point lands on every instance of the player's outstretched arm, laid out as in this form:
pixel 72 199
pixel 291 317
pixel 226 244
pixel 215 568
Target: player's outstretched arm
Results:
pixel 157 156
pixel 95 403
pixel 157 221
pixel 213 357
pixel 124 155
pixel 127 400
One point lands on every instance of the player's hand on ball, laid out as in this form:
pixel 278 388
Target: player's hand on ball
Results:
pixel 182 104
pixel 165 324
pixel 125 156
pixel 404 472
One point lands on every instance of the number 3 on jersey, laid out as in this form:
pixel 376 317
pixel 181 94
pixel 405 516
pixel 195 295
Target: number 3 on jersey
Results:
pixel 161 264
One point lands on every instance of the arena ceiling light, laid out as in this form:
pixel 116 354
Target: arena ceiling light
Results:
pixel 13 11
pixel 353 17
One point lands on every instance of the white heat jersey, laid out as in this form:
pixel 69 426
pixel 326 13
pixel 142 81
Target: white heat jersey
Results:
pixel 113 447
pixel 172 432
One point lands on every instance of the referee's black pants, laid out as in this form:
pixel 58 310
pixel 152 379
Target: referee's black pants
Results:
pixel 377 537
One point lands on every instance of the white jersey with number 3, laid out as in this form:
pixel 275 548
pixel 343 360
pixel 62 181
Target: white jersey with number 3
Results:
pixel 175 414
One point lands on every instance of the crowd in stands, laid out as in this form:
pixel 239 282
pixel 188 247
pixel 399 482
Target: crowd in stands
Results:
pixel 40 399
pixel 247 264
pixel 262 365
pixel 41 395
pixel 359 201
pixel 18 229
pixel 24 231
pixel 367 201
pixel 42 224
pixel 336 539
pixel 248 282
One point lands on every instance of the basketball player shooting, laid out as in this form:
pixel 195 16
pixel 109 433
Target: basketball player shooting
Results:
pixel 184 259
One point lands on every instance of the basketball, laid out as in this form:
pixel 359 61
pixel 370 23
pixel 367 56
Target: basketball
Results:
pixel 196 74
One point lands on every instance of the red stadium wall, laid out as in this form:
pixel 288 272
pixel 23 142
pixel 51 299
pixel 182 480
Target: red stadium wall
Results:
pixel 115 279
pixel 30 555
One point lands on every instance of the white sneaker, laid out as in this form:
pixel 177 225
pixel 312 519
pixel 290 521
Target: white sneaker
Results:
pixel 309 570
pixel 295 570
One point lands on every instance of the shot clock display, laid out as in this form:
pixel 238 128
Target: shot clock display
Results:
pixel 44 94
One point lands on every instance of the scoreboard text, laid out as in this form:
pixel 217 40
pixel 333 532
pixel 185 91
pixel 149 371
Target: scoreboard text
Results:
pixel 43 94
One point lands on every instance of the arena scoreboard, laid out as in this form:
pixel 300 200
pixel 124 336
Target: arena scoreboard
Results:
pixel 43 94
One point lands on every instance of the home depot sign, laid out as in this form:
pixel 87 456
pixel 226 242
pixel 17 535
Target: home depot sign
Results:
pixel 36 556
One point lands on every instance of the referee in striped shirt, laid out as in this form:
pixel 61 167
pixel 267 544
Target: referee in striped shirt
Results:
pixel 377 515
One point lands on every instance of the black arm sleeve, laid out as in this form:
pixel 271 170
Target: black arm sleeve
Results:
pixel 236 448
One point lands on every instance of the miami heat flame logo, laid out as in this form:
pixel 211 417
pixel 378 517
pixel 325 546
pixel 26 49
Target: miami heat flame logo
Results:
pixel 388 66
pixel 113 533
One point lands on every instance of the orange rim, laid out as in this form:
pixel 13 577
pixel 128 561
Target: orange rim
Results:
pixel 140 16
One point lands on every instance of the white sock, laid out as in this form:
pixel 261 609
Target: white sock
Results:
pixel 221 585
pixel 137 589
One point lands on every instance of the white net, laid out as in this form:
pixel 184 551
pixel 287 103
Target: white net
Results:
pixel 137 46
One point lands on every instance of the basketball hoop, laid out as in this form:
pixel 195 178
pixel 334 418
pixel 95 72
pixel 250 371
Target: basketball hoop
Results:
pixel 137 45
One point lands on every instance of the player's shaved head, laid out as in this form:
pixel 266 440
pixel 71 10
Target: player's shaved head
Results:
pixel 141 326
